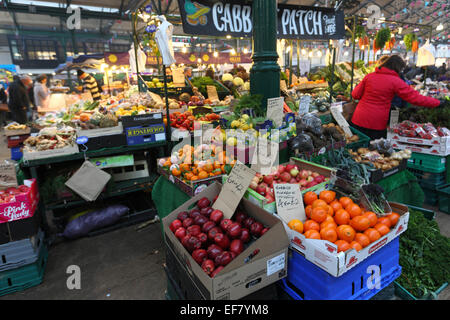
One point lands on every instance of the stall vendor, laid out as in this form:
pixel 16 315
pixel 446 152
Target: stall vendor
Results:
pixel 90 84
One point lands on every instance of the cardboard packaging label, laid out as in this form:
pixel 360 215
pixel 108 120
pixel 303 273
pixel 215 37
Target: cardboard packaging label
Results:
pixel 212 93
pixel 8 177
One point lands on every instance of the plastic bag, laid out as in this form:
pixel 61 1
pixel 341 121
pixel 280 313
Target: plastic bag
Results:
pixel 383 146
pixel 312 123
pixel 301 143
pixel 81 226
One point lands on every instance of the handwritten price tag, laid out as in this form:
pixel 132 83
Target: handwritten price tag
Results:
pixel 275 110
pixel 337 115
pixel 265 156
pixel 234 188
pixel 394 117
pixel 212 93
pixel 289 202
pixel 178 77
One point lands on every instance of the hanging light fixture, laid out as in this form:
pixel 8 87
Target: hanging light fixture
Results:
pixel 233 51
pixel 440 27
pixel 228 36
pixel 310 54
pixel 303 52
pixel 245 50
pixel 215 54
pixel 184 49
pixel 319 53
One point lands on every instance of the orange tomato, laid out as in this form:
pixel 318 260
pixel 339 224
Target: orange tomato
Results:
pixel 385 220
pixel 381 228
pixel 356 245
pixel 319 214
pixel 362 239
pixel 342 245
pixel 345 232
pixel 311 225
pixel 188 175
pixel 372 218
pixel 394 218
pixel 345 201
pixel 312 234
pixel 336 205
pixel 342 217
pixel 203 175
pixel 360 223
pixel 308 211
pixel 296 225
pixel 176 172
pixel 309 198
pixel 328 234
pixel 319 203
pixel 193 178
pixel 327 196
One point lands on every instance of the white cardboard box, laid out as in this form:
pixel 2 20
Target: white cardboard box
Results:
pixel 324 253
pixel 439 146
pixel 50 153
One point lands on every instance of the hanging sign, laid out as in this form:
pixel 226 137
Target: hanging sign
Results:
pixel 212 93
pixel 220 18
pixel 178 77
pixel 337 115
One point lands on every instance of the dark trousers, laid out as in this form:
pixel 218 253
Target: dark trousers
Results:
pixel 372 134
pixel 19 115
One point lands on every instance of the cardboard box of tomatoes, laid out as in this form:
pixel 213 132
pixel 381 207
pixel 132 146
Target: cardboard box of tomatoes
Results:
pixel 340 234
pixel 19 203
pixel 243 262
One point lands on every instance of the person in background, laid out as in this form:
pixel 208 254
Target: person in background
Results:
pixel 19 103
pixel 375 93
pixel 41 92
pixel 442 69
pixel 3 95
pixel 3 101
pixel 89 83
pixel 210 73
pixel 188 73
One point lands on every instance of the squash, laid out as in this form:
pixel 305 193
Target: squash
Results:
pixel 85 117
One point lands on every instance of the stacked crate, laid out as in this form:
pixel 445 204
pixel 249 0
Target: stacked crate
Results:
pixel 15 144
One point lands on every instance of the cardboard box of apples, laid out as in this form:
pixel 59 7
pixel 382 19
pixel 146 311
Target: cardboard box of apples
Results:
pixel 309 176
pixel 19 202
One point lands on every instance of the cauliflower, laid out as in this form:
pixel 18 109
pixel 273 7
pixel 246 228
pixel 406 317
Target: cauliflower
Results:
pixel 238 82
pixel 227 77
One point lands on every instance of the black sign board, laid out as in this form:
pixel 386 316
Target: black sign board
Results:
pixel 234 18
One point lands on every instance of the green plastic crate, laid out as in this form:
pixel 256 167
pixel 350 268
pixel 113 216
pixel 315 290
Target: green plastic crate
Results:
pixel 430 178
pixel 431 197
pixel 363 141
pixel 444 198
pixel 24 277
pixel 428 214
pixel 427 162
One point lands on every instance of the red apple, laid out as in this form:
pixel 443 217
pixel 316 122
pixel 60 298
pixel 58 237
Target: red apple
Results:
pixel 314 174
pixel 281 169
pixel 285 176
pixel 293 181
pixel 289 167
pixel 268 179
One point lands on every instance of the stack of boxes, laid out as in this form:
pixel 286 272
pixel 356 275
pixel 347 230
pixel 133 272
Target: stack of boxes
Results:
pixel 15 140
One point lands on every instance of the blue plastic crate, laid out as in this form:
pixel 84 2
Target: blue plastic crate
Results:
pixel 306 281
pixel 16 154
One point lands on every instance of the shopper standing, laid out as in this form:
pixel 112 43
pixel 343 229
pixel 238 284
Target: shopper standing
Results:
pixel 90 84
pixel 375 93
pixel 19 103
pixel 41 92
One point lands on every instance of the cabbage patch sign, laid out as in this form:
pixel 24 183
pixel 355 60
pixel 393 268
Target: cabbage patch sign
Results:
pixel 220 18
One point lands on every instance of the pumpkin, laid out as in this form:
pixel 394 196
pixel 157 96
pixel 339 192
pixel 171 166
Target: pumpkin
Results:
pixel 84 117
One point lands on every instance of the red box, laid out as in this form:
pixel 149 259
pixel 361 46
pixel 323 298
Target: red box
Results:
pixel 16 141
pixel 24 206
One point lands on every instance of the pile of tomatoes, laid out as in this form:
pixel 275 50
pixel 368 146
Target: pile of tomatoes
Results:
pixel 182 121
pixel 9 195
pixel 208 117
pixel 341 221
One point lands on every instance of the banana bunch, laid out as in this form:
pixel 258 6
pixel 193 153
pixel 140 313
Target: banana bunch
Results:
pixel 16 126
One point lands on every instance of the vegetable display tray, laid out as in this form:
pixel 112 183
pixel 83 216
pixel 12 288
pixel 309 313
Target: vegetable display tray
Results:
pixel 306 281
pixel 444 198
pixel 363 141
pixel 427 162
pixel 378 174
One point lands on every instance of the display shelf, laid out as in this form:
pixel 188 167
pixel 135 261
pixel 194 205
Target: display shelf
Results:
pixel 120 188
pixel 92 154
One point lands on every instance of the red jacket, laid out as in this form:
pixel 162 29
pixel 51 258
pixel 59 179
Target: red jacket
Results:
pixel 375 93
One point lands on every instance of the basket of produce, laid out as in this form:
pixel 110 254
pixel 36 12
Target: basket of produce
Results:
pixel 202 82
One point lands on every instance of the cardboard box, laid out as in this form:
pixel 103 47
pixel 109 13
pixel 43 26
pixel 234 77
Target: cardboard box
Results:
pixel 192 187
pixel 23 207
pixel 378 174
pixel 239 278
pixel 141 120
pixel 20 132
pixel 19 229
pixel 437 146
pixel 324 253
pixel 101 131
pixel 34 155
pixel 261 201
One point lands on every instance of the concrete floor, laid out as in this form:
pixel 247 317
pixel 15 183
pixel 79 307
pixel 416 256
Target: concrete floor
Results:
pixel 125 264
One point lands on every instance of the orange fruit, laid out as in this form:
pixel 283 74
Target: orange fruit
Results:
pixel 188 175
pixel 345 232
pixel 336 205
pixel 342 245
pixel 328 234
pixel 381 228
pixel 308 211
pixel 345 201
pixel 319 214
pixel 311 225
pixel 356 245
pixel 309 197
pixel 327 196
pixel 342 217
pixel 372 217
pixel 216 164
pixel 373 234
pixel 353 209
pixel 176 172
pixel 193 178
pixel 319 203
pixel 203 175
pixel 328 224
pixel 362 239
pixel 208 167
pixel 385 220
pixel 330 211
pixel 296 225
pixel 312 234
pixel 394 218
pixel 360 223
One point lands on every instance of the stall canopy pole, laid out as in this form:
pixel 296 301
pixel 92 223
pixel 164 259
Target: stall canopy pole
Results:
pixel 333 64
pixel 353 52
pixel 291 44
pixel 265 73
pixel 298 58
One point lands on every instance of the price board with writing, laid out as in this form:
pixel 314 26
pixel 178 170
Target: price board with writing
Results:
pixel 178 77
pixel 304 104
pixel 337 115
pixel 212 93
pixel 275 110
pixel 8 177
pixel 233 189
pixel 265 156
pixel 289 201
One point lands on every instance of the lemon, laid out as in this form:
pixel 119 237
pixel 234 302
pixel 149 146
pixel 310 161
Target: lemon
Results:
pixel 245 127
pixel 235 124
pixel 245 116
pixel 232 141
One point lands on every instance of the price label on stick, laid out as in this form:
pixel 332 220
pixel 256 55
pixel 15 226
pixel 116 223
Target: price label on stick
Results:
pixel 304 103
pixel 233 189
pixel 337 115
pixel 275 110
pixel 178 77
pixel 212 93
pixel 394 117
pixel 289 201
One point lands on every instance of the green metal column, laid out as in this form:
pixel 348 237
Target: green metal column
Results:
pixel 265 73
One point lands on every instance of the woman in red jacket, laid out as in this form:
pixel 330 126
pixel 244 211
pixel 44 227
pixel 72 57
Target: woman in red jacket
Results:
pixel 375 93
